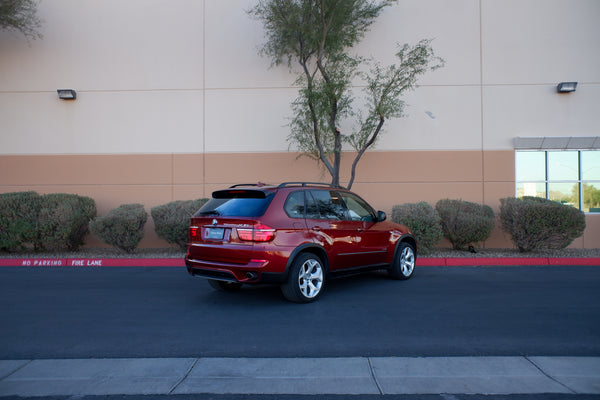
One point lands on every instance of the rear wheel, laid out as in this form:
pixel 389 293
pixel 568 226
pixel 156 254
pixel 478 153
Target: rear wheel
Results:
pixel 224 285
pixel 403 266
pixel 306 279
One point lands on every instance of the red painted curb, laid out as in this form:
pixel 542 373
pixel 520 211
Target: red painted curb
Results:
pixel 179 262
pixel 92 262
pixel 501 261
pixel 430 262
pixel 574 261
pixel 455 262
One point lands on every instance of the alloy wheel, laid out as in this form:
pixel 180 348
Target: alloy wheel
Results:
pixel 310 278
pixel 407 261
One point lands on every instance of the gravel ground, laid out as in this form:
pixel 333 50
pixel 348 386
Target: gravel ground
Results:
pixel 175 252
pixel 449 253
pixel 101 252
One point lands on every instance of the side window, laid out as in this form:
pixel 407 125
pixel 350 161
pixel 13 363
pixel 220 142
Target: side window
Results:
pixel 358 209
pixel 294 205
pixel 312 211
pixel 329 204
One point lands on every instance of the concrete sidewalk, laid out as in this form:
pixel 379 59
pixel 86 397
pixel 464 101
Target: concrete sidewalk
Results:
pixel 358 375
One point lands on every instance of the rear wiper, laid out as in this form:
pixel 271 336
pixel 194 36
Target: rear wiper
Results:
pixel 211 212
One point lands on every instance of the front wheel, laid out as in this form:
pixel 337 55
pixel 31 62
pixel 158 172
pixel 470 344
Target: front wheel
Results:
pixel 403 266
pixel 306 279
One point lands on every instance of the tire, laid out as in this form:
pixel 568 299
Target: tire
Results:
pixel 224 286
pixel 403 266
pixel 306 279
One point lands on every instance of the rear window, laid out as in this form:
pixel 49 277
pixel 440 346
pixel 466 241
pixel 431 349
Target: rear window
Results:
pixel 236 203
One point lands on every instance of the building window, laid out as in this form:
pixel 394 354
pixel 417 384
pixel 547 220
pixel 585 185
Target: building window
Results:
pixel 570 177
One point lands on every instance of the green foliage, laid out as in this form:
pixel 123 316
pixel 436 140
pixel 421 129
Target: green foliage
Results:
pixel 464 222
pixel 20 15
pixel 50 222
pixel 300 28
pixel 122 227
pixel 591 196
pixel 172 220
pixel 63 221
pixel 318 36
pixel 18 220
pixel 535 223
pixel 423 221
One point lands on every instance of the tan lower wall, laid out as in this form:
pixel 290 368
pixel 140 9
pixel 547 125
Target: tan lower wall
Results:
pixel 383 178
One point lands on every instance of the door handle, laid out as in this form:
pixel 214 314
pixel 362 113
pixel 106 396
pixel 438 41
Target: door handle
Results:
pixel 360 229
pixel 316 228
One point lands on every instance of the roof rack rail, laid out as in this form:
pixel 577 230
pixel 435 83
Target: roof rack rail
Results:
pixel 284 184
pixel 259 184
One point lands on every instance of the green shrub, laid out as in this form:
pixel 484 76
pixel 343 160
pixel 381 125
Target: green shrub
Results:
pixel 122 227
pixel 464 222
pixel 63 221
pixel 535 223
pixel 19 213
pixel 424 222
pixel 172 220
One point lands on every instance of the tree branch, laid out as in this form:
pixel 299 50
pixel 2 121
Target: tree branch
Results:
pixel 364 149
pixel 315 121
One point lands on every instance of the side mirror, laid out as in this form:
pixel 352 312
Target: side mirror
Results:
pixel 381 216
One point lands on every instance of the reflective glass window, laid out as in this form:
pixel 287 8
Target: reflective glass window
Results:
pixel 358 209
pixel 329 204
pixel 563 165
pixel 533 189
pixel 590 165
pixel 564 193
pixel 591 197
pixel 294 205
pixel 530 166
pixel 570 177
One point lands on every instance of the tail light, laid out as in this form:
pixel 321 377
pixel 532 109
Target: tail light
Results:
pixel 258 233
pixel 193 233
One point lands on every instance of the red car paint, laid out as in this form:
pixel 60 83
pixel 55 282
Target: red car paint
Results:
pixel 229 243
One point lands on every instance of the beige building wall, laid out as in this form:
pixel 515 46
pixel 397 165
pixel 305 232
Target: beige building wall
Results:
pixel 173 101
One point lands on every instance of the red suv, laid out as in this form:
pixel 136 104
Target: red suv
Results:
pixel 296 234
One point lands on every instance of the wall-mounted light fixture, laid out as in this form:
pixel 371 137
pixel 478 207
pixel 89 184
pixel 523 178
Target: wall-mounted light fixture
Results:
pixel 66 94
pixel 566 87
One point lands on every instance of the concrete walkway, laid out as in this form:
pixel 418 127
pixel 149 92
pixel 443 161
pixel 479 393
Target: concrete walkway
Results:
pixel 359 375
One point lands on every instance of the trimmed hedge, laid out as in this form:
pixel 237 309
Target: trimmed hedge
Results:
pixel 51 222
pixel 535 223
pixel 63 221
pixel 424 222
pixel 18 220
pixel 464 222
pixel 172 220
pixel 122 227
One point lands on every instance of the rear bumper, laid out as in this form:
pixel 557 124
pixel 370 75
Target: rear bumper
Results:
pixel 253 272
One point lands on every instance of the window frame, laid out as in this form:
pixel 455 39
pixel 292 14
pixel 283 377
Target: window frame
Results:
pixel 286 204
pixel 547 182
pixel 360 202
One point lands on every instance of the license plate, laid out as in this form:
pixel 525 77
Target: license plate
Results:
pixel 215 233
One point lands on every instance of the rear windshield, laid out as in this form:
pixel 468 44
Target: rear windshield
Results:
pixel 236 203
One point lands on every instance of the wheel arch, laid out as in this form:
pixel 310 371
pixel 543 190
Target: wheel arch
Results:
pixel 408 239
pixel 308 248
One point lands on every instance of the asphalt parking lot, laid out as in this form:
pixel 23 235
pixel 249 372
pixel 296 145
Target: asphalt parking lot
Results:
pixel 512 323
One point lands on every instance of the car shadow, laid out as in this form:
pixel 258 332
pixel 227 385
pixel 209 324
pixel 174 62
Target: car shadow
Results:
pixel 268 294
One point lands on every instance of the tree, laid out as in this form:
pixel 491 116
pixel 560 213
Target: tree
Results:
pixel 20 15
pixel 318 35
pixel 591 196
